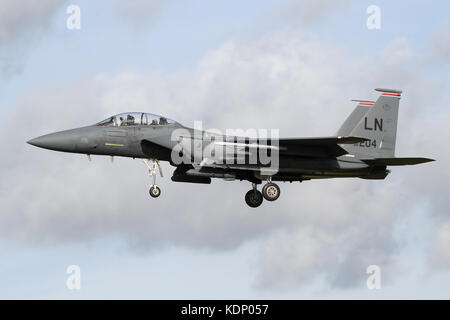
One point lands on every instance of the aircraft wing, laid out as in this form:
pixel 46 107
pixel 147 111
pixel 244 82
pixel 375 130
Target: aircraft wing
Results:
pixel 325 147
pixel 295 147
pixel 320 147
pixel 397 161
pixel 307 147
pixel 323 140
pixel 317 147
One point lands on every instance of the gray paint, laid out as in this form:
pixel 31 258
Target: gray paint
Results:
pixel 356 155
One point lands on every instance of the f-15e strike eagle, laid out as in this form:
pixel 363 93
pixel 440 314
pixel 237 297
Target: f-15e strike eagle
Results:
pixel 363 147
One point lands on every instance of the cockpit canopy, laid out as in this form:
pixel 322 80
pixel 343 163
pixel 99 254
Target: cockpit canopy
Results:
pixel 135 119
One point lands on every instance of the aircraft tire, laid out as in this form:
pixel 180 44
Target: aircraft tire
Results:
pixel 271 191
pixel 253 198
pixel 155 191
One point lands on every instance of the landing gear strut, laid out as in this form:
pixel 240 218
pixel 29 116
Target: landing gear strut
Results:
pixel 253 197
pixel 153 165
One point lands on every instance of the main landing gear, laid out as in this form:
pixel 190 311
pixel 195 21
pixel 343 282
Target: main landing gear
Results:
pixel 270 192
pixel 254 198
pixel 153 165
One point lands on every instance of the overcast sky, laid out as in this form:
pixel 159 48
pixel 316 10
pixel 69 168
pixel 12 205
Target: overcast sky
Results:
pixel 293 65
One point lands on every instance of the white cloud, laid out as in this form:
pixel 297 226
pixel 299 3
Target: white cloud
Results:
pixel 441 252
pixel 441 45
pixel 286 80
pixel 18 17
pixel 21 24
pixel 141 13
pixel 313 12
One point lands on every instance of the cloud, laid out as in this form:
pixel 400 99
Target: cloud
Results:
pixel 341 229
pixel 440 251
pixel 141 13
pixel 21 24
pixel 441 45
pixel 312 12
pixel 18 17
pixel 289 80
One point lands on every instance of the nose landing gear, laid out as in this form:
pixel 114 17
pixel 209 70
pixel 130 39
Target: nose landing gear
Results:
pixel 153 165
pixel 154 191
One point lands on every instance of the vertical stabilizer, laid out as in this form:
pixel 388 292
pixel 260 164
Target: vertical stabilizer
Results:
pixel 379 125
pixel 353 119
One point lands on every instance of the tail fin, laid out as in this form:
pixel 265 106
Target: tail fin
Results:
pixel 353 119
pixel 379 125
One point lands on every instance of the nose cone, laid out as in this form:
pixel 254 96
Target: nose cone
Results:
pixel 59 141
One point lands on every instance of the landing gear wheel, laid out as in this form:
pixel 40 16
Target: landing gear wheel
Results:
pixel 253 198
pixel 153 165
pixel 155 191
pixel 271 191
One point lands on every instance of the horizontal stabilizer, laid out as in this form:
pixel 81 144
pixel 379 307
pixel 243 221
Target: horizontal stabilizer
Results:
pixel 323 141
pixel 397 161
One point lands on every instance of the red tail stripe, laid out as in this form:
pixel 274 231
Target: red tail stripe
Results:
pixel 391 94
pixel 365 104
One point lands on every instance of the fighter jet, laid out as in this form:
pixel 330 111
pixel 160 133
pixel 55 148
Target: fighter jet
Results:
pixel 363 147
